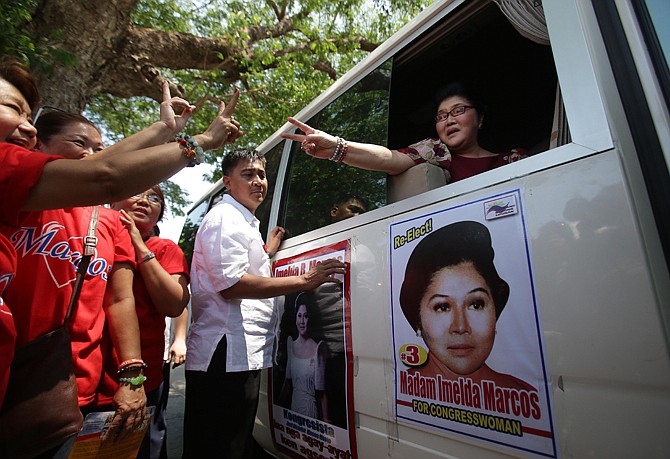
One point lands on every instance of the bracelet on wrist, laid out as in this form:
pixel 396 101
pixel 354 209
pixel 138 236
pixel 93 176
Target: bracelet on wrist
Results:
pixel 191 149
pixel 134 367
pixel 147 257
pixel 340 150
pixel 136 381
pixel 345 149
pixel 127 364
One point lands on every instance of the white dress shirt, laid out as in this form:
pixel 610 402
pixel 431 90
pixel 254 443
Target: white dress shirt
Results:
pixel 228 245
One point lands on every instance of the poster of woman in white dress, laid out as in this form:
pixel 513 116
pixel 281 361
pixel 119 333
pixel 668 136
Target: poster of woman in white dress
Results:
pixel 311 382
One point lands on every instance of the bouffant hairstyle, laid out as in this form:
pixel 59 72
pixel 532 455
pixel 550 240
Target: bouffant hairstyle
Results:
pixel 18 76
pixel 451 245
pixel 460 89
pixel 309 300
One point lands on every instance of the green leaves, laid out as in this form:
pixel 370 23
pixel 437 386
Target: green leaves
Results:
pixel 280 53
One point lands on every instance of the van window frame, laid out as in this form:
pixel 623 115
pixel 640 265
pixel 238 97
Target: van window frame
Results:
pixel 574 60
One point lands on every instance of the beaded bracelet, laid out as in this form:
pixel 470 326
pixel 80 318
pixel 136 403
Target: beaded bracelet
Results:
pixel 192 150
pixel 136 366
pixel 136 381
pixel 337 154
pixel 344 152
pixel 126 364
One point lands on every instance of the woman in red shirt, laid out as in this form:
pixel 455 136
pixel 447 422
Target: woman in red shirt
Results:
pixel 161 290
pixel 31 182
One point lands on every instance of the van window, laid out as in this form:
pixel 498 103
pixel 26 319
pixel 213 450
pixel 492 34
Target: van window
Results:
pixel 273 158
pixel 313 186
pixel 514 76
pixel 395 106
pixel 191 225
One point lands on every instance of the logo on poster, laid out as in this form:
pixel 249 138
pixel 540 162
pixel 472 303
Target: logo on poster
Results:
pixel 501 207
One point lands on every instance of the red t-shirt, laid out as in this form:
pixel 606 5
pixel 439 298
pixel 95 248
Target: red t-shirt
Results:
pixel 7 338
pixel 48 245
pixel 20 171
pixel 152 322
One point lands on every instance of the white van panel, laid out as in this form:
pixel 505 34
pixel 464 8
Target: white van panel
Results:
pixel 607 357
pixel 599 276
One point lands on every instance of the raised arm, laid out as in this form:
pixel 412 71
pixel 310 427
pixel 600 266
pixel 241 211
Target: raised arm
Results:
pixel 125 172
pixel 168 292
pixel 368 156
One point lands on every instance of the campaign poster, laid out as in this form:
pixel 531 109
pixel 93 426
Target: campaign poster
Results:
pixel 466 330
pixel 311 383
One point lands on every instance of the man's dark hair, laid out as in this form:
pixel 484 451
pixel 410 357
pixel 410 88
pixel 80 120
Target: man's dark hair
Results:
pixel 350 197
pixel 230 160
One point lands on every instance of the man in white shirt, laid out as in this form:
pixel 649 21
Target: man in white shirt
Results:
pixel 234 315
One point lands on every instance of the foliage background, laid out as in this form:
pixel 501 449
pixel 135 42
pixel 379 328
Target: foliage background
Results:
pixel 281 54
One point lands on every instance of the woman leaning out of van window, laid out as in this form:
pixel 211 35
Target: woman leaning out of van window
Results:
pixel 459 116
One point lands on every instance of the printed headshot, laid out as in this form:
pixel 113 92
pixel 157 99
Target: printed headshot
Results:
pixel 452 296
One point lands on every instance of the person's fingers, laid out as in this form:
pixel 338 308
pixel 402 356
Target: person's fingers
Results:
pixel 222 108
pixel 127 427
pixel 300 125
pixel 179 101
pixel 230 107
pixel 114 430
pixel 182 103
pixel 235 134
pixel 332 266
pixel 178 359
pixel 166 91
pixel 123 215
pixel 296 137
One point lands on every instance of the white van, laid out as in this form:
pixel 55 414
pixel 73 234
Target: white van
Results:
pixel 580 232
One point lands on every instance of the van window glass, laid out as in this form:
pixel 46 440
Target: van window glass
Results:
pixel 659 10
pixel 273 158
pixel 313 186
pixel 191 225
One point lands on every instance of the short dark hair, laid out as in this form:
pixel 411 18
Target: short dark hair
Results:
pixel 460 89
pixel 50 124
pixel 451 245
pixel 18 75
pixel 230 160
pixel 350 197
